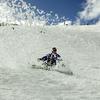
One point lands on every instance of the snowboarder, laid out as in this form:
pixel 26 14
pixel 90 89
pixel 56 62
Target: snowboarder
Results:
pixel 51 58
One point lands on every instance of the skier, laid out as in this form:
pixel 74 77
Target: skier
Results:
pixel 51 58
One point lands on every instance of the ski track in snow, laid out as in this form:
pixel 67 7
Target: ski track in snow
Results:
pixel 19 48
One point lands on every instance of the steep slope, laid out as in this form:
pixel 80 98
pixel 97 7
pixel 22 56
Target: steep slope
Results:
pixel 20 46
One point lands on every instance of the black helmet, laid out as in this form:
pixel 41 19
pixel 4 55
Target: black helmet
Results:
pixel 54 49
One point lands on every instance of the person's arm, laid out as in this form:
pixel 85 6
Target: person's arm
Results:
pixel 44 58
pixel 59 57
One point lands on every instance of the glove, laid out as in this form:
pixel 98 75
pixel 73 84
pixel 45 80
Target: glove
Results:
pixel 39 59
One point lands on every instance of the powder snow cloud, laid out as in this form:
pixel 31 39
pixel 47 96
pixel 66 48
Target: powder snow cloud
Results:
pixel 24 13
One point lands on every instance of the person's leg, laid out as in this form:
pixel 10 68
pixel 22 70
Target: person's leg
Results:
pixel 53 62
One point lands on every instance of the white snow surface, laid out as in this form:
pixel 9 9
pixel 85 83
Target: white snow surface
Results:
pixel 79 47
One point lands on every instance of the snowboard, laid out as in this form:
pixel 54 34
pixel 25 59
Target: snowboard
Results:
pixel 62 69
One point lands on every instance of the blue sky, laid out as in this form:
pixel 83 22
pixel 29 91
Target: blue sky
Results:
pixel 67 8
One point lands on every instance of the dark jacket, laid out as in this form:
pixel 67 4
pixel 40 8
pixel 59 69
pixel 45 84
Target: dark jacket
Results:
pixel 51 58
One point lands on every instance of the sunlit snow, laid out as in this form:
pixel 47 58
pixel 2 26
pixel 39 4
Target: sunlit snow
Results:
pixel 19 49
pixel 22 41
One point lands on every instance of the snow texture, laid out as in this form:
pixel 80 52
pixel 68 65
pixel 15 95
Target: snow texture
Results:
pixel 20 46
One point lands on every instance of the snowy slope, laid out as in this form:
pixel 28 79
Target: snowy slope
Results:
pixel 19 49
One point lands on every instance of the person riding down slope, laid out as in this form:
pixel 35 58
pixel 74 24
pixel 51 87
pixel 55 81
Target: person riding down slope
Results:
pixel 51 58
